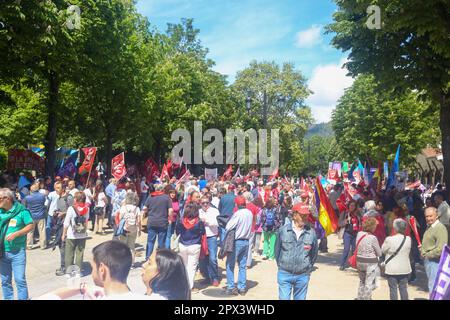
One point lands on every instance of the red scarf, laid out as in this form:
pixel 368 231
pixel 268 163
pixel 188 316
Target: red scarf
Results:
pixel 157 193
pixel 81 208
pixel 189 224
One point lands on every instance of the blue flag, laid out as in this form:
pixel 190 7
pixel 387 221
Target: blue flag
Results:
pixel 394 169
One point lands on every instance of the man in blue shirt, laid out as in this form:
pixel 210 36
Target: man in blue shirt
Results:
pixel 226 207
pixel 35 203
pixel 109 191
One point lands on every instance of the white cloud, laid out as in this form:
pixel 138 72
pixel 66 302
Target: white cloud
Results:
pixel 309 37
pixel 328 83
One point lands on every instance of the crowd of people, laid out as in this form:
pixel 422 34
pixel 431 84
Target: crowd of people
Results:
pixel 194 223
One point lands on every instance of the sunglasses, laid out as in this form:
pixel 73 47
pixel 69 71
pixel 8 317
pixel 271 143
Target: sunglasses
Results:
pixel 205 203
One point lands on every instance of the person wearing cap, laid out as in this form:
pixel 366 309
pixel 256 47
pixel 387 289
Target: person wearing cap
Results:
pixel 241 221
pixel 296 251
pixel 226 206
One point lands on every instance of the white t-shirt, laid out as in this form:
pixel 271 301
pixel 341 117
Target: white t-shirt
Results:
pixel 52 200
pixel 88 194
pixel 215 201
pixel 73 191
pixel 144 187
pixel 101 200
pixel 69 222
pixel 211 224
pixel 298 232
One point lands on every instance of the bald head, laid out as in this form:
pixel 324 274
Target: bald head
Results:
pixel 431 215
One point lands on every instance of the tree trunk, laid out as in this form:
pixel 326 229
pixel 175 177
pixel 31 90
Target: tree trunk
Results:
pixel 265 111
pixel 445 131
pixel 50 137
pixel 108 145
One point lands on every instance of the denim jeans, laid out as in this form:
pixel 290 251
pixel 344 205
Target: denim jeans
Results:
pixel 349 247
pixel 431 269
pixel 240 253
pixel 289 283
pixel 48 228
pixel 209 266
pixel 14 262
pixel 222 234
pixel 154 232
pixel 170 231
pixel 398 283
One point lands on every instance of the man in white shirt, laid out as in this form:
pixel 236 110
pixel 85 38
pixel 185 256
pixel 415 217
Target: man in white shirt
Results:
pixel 209 265
pixel 241 221
pixel 71 188
pixel 51 204
pixel 443 209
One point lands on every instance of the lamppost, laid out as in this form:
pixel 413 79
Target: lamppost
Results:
pixel 248 101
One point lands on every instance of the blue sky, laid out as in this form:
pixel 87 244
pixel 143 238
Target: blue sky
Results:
pixel 237 32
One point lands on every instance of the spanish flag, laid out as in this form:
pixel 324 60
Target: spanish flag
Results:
pixel 327 216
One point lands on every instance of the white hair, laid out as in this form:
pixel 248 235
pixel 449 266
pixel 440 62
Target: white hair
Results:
pixel 5 192
pixel 370 205
pixel 399 225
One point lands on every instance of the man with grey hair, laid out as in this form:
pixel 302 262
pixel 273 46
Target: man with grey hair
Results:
pixel 158 208
pixel 15 223
pixel 434 240
pixel 443 210
pixel 397 248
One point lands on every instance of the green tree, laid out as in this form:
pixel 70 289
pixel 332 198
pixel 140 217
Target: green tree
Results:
pixel 37 43
pixel 410 51
pixel 273 96
pixel 319 151
pixel 370 122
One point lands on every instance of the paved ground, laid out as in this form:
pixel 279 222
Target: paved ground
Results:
pixel 327 282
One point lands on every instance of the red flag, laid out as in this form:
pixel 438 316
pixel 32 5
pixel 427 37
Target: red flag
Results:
pixel 89 157
pixel 164 172
pixel 118 169
pixel 151 169
pixel 274 174
pixel 412 222
pixel 183 170
pixel 185 177
pixel 228 172
pixel 169 168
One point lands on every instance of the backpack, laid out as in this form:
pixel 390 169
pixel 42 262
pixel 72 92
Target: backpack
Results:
pixel 270 217
pixel 80 222
pixel 130 223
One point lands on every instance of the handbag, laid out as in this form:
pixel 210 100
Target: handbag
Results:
pixel 384 263
pixel 352 259
pixel 174 243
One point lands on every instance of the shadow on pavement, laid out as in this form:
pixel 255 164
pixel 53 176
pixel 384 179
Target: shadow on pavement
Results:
pixel 333 259
pixel 220 292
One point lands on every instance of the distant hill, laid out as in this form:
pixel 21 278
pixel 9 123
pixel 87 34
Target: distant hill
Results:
pixel 320 129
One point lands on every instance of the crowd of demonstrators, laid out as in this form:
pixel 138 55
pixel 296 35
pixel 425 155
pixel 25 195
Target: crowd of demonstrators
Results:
pixel 378 225
pixel 194 223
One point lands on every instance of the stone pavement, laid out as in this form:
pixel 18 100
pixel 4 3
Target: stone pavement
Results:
pixel 327 281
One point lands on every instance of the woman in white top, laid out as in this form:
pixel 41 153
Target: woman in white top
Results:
pixel 132 215
pixel 397 266
pixel 74 233
pixel 100 201
pixel 88 191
